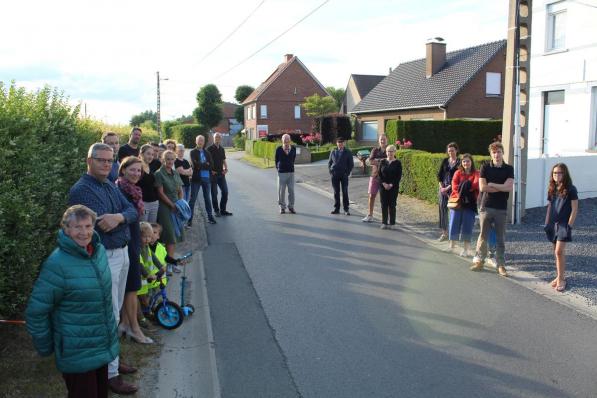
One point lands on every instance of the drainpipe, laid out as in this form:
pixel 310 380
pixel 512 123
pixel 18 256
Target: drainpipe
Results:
pixel 443 109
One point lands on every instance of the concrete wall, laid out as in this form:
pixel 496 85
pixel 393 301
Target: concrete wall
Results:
pixel 582 170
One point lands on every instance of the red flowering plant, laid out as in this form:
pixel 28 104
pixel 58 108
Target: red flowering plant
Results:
pixel 405 144
pixel 311 139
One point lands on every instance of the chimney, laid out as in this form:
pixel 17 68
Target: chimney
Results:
pixel 288 57
pixel 436 56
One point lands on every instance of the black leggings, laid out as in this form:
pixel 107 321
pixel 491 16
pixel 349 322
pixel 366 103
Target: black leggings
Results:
pixel 388 204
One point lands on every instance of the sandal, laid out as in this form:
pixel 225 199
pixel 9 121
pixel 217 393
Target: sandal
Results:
pixel 561 287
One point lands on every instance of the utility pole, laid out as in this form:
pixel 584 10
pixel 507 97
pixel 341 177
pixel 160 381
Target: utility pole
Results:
pixel 516 94
pixel 159 122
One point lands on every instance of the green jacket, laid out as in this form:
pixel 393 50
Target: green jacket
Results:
pixel 70 308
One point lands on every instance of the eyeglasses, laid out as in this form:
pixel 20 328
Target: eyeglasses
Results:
pixel 104 161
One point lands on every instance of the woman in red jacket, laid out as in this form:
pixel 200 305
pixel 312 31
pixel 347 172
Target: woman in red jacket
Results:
pixel 465 188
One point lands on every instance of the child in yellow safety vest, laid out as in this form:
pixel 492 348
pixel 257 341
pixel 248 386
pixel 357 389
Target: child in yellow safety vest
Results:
pixel 152 268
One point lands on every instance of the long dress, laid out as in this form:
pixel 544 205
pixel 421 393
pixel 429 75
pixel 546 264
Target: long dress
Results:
pixel 171 183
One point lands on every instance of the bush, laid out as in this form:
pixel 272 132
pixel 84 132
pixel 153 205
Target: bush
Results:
pixel 419 172
pixel 329 133
pixel 187 133
pixel 239 141
pixel 265 149
pixel 316 156
pixel 43 146
pixel 472 136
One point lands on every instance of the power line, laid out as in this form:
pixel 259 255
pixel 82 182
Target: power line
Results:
pixel 231 33
pixel 271 41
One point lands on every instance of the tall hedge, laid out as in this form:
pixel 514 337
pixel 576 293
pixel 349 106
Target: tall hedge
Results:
pixel 265 149
pixel 187 133
pixel 329 133
pixel 419 172
pixel 472 136
pixel 43 146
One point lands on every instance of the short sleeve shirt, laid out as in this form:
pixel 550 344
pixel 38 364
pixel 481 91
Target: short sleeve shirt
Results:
pixel 170 181
pixel 497 175
pixel 185 165
pixel 127 150
pixel 561 206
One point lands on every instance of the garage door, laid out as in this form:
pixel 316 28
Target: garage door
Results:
pixel 370 131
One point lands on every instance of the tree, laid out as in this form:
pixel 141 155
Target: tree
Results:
pixel 337 94
pixel 209 110
pixel 241 94
pixel 138 119
pixel 317 107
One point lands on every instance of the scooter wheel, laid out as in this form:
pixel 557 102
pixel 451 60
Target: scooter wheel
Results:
pixel 169 315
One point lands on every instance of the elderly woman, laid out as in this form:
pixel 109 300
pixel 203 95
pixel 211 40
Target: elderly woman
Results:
pixel 389 175
pixel 70 308
pixel 169 186
pixel 129 175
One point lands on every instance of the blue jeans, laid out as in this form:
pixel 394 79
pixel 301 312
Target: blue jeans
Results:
pixel 219 180
pixel 186 190
pixel 205 185
pixel 461 224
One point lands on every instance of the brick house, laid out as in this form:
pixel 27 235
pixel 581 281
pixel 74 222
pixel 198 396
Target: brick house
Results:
pixel 275 106
pixel 462 84
pixel 357 88
pixel 228 124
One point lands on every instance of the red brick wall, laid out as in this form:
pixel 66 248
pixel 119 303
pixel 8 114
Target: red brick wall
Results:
pixel 472 102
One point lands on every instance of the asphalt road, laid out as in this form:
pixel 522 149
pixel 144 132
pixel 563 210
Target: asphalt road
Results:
pixel 316 305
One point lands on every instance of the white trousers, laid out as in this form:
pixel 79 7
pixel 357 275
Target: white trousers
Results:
pixel 118 259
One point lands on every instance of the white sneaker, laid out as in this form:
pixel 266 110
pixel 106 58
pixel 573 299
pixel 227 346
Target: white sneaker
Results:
pixel 463 253
pixel 367 218
pixel 383 226
pixel 491 262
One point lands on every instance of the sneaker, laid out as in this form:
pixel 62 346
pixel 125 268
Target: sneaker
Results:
pixel 291 210
pixel 225 213
pixel 502 271
pixel 383 226
pixel 477 264
pixel 491 262
pixel 335 211
pixel 367 218
pixel 282 210
pixel 211 220
pixel 217 213
pixel 346 213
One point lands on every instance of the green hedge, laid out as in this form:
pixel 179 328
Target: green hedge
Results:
pixel 43 146
pixel 419 172
pixel 472 136
pixel 265 149
pixel 239 141
pixel 187 133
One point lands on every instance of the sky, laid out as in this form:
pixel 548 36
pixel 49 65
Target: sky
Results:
pixel 105 54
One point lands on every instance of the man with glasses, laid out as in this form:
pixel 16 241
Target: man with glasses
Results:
pixel 496 180
pixel 132 147
pixel 111 138
pixel 115 213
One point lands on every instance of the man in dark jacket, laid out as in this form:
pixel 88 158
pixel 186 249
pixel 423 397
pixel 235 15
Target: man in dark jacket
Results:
pixel 340 166
pixel 285 156
pixel 202 167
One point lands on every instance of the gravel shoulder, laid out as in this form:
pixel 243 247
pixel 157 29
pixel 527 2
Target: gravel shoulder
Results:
pixel 529 255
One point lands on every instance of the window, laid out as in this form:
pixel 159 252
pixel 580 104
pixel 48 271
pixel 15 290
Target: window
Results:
pixel 297 111
pixel 554 121
pixel 493 84
pixel 248 115
pixel 253 111
pixel 556 26
pixel 263 111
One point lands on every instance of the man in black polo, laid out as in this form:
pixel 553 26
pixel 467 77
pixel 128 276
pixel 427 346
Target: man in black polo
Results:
pixel 496 180
pixel 340 166
pixel 218 176
pixel 114 214
pixel 132 147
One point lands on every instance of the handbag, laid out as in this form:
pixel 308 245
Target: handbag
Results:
pixel 454 203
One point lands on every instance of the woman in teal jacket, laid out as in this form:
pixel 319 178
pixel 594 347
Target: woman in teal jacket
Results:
pixel 70 309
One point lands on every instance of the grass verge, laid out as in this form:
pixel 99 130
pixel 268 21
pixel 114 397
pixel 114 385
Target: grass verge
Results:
pixel 258 162
pixel 26 374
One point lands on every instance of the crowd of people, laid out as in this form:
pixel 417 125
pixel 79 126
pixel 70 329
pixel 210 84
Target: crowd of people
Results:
pixel 117 241
pixel 129 210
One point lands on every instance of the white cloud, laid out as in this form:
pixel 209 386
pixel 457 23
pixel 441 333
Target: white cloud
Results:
pixel 106 53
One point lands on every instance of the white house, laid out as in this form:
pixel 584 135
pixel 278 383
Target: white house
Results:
pixel 562 116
